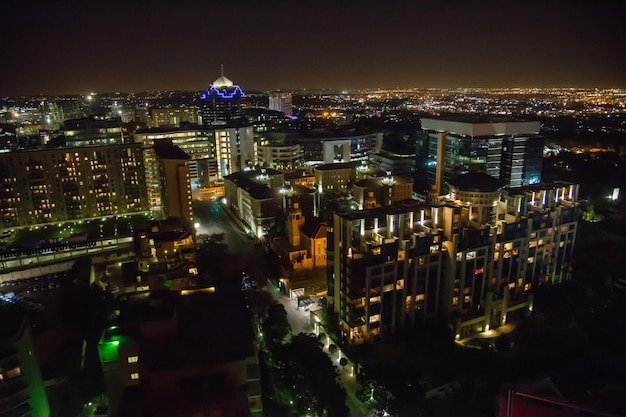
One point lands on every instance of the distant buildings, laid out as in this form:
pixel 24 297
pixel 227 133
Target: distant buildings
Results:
pixel 396 164
pixel 93 130
pixel 335 177
pixel 318 147
pixel 474 257
pixel 174 116
pixel 282 102
pixel 215 151
pixel 22 391
pixel 197 142
pixel 505 148
pixel 280 156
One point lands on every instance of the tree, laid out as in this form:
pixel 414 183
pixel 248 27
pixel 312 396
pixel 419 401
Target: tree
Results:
pixel 312 377
pixel 276 327
pixel 590 214
pixel 213 244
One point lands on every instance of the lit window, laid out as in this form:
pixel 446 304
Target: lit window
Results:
pixel 12 373
pixel 134 375
pixel 133 359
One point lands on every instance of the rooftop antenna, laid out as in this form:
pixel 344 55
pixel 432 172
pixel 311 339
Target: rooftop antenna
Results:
pixel 222 67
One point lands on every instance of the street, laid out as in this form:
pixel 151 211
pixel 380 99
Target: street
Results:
pixel 300 323
pixel 212 218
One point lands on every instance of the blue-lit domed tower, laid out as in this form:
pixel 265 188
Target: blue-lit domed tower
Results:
pixel 220 104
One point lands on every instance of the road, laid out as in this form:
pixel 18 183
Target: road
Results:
pixel 212 218
pixel 300 323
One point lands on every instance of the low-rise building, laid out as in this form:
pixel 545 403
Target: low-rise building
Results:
pixel 396 164
pixel 255 198
pixel 381 191
pixel 166 256
pixel 192 353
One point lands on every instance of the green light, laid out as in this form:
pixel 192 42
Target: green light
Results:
pixel 168 283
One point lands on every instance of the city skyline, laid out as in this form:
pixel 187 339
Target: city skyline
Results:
pixel 71 47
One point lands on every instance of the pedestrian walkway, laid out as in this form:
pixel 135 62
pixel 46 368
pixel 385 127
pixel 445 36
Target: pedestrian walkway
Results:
pixel 299 321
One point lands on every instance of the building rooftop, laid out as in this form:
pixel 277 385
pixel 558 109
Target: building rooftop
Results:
pixel 396 208
pixel 167 151
pixel 481 125
pixel 249 182
pixel 476 181
pixel 395 155
pixel 539 187
pixel 379 181
pixel 314 228
pixel 222 82
pixel 210 327
pixel 477 118
pixel 187 127
pixel 339 165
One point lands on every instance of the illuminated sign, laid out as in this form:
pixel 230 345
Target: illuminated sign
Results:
pixel 223 93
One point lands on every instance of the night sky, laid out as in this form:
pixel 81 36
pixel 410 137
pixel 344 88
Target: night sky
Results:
pixel 60 47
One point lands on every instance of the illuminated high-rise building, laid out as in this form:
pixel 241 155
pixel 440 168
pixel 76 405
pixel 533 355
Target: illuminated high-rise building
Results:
pixel 53 185
pixel 474 256
pixel 175 185
pixel 221 103
pixel 221 108
pixel 504 148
